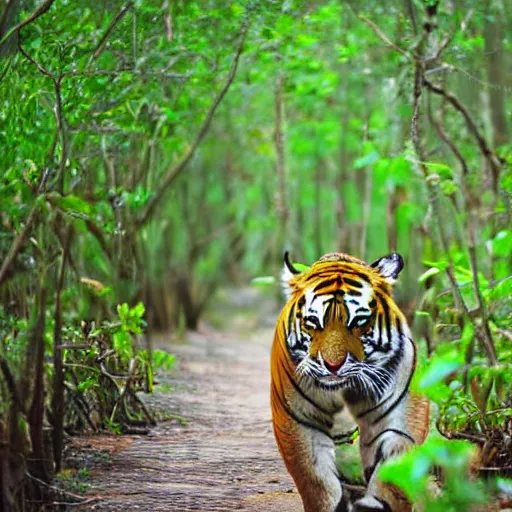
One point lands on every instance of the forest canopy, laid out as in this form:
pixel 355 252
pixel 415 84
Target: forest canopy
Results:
pixel 152 153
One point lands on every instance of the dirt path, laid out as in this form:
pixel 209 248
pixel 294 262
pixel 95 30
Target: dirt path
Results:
pixel 224 458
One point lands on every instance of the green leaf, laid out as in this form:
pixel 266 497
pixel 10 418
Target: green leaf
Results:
pixel 438 369
pixel 264 281
pixel 504 485
pixel 429 273
pixel 138 310
pixel 502 243
pixel 71 204
pixel 366 160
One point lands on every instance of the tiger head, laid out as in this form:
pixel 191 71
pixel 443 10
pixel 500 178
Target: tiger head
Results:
pixel 340 315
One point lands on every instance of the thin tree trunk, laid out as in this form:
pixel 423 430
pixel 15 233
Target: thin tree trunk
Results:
pixel 58 379
pixel 496 73
pixel 38 457
pixel 279 141
pixel 318 208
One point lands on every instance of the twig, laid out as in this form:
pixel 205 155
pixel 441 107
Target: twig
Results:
pixel 77 504
pixel 81 407
pixel 11 385
pixel 449 38
pixel 432 181
pixel 61 132
pixel 54 488
pixel 383 36
pixel 124 389
pixel 98 234
pixel 215 234
pixel 173 173
pixel 41 69
pixel 145 410
pixel 100 46
pixel 473 129
pixel 505 333
pixel 44 7
pixel 485 336
pixel 74 346
pixel 20 240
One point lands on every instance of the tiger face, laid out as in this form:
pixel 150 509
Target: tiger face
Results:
pixel 342 321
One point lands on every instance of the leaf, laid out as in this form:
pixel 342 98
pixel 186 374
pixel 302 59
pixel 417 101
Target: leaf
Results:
pixel 93 284
pixel 504 485
pixel 138 310
pixel 301 267
pixel 366 160
pixel 502 243
pixel 438 369
pixel 264 281
pixel 71 204
pixel 123 311
pixel 428 273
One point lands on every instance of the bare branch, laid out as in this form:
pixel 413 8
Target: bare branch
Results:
pixel 485 336
pixel 11 385
pixel 101 44
pixel 20 240
pixel 449 38
pixel 41 69
pixel 383 36
pixel 44 7
pixel 470 123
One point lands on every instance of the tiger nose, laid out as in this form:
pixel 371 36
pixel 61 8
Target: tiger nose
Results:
pixel 333 367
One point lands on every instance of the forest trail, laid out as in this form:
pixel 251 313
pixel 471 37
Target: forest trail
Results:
pixel 224 458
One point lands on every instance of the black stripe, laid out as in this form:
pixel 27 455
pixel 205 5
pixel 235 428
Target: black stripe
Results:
pixel 385 506
pixel 290 322
pixel 395 431
pixel 380 330
pixel 387 315
pixel 353 282
pixel 368 472
pixel 403 393
pixel 297 419
pixel 329 282
pixel 355 293
pixel 301 392
pixel 358 274
pixel 375 407
pixel 399 326
pixel 342 505
pixel 328 272
pixel 346 437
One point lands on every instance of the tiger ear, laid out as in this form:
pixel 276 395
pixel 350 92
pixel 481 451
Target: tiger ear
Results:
pixel 287 274
pixel 389 266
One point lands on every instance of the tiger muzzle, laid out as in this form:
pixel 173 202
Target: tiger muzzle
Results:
pixel 334 343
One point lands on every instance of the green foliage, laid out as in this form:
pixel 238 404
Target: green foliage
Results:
pixel 95 121
pixel 411 472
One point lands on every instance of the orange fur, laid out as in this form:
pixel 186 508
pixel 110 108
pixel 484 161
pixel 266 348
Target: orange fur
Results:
pixel 334 342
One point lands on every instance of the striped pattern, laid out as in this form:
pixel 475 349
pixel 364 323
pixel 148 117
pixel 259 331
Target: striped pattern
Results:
pixel 341 341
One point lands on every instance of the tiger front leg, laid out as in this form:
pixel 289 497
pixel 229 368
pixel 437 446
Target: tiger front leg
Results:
pixel 310 459
pixel 381 440
pixel 379 496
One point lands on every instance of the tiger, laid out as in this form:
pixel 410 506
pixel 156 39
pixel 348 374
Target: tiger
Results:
pixel 342 345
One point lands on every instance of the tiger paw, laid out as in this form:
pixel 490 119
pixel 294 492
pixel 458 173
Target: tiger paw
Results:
pixel 371 504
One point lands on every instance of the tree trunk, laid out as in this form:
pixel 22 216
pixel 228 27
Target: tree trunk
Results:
pixel 279 141
pixel 496 68
pixel 38 466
